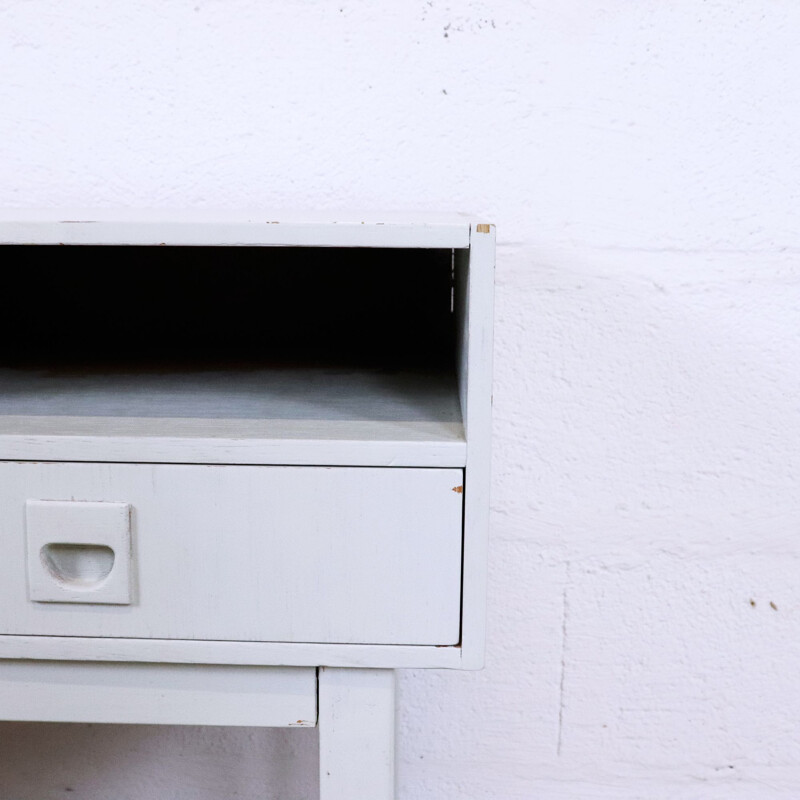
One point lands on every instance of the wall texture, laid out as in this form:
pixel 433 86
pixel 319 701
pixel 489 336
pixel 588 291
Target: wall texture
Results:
pixel 641 162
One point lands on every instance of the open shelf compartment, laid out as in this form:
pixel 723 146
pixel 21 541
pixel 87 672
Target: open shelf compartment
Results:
pixel 225 354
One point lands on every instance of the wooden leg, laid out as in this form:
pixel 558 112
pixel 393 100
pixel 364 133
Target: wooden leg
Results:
pixel 356 734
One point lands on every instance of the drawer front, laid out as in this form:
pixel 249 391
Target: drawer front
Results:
pixel 274 554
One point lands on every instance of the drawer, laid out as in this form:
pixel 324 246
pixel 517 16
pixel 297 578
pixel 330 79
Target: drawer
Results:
pixel 239 553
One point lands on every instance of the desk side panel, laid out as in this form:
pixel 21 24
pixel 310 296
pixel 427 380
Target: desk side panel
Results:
pixel 475 297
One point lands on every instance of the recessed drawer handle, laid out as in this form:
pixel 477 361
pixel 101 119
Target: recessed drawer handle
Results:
pixel 81 566
pixel 78 552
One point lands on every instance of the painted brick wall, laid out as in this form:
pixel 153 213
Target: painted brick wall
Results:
pixel 641 161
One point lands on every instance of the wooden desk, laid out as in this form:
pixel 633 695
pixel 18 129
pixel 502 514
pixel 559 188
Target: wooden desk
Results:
pixel 244 469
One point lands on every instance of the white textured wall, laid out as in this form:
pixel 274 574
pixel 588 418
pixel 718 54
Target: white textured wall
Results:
pixel 642 163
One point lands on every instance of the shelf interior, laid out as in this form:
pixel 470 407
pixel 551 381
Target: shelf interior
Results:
pixel 244 393
pixel 250 334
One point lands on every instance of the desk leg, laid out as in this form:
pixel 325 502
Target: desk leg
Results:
pixel 356 734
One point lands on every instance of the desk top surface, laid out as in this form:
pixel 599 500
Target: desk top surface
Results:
pixel 231 228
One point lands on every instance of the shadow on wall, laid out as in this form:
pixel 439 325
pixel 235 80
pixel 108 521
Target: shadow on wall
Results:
pixel 43 761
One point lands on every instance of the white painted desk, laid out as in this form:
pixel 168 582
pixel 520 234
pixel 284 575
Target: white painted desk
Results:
pixel 244 469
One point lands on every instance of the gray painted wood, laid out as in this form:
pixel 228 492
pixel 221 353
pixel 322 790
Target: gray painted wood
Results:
pixel 174 694
pixel 323 394
pixel 476 381
pixel 232 228
pixel 185 651
pixel 285 416
pixel 356 734
pixel 338 562
pixel 282 554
